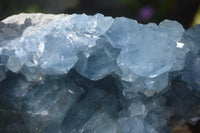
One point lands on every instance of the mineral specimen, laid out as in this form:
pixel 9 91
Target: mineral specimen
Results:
pixel 96 74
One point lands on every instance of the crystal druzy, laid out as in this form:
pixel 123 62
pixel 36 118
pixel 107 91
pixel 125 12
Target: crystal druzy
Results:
pixel 97 74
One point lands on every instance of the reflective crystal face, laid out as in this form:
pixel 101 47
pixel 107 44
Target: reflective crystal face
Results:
pixel 96 74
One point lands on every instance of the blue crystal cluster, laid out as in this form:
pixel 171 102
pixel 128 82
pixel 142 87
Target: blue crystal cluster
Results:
pixel 97 74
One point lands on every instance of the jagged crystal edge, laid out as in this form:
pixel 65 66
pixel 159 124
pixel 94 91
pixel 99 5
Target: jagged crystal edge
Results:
pixel 97 46
pixel 131 77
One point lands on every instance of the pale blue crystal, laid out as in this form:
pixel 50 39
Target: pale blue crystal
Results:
pixel 192 68
pixel 98 61
pixel 130 125
pixel 140 54
pixel 96 74
pixel 53 47
pixel 100 121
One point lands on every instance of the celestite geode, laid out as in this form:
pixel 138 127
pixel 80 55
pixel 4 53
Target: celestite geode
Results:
pixel 97 74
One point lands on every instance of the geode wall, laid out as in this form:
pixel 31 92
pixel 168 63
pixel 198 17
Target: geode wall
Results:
pixel 97 74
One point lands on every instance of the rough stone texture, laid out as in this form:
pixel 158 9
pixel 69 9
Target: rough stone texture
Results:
pixel 94 74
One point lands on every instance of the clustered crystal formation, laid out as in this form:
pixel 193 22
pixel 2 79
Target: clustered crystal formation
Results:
pixel 97 74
